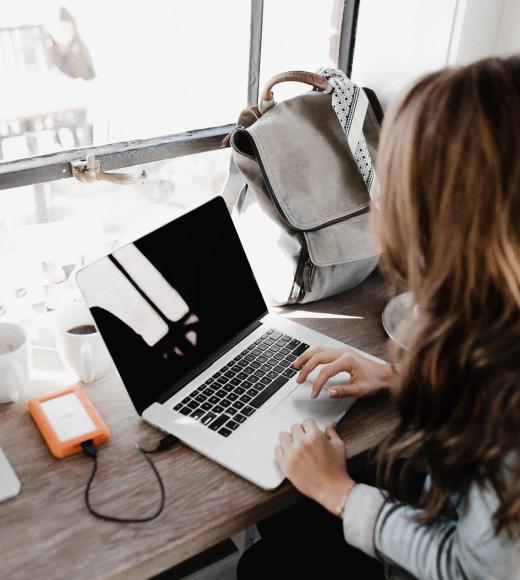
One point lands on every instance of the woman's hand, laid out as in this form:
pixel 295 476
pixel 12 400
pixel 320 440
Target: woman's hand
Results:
pixel 315 463
pixel 367 376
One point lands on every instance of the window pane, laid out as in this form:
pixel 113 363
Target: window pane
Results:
pixel 299 35
pixel 399 41
pixel 75 73
pixel 46 230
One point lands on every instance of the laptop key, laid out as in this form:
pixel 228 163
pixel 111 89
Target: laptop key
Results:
pixel 213 400
pixel 239 390
pixel 219 422
pixel 279 369
pixel 185 400
pixel 237 405
pixel 209 381
pixel 225 403
pixel 255 364
pixel 192 404
pixel 246 398
pixel 206 406
pixel 262 359
pixel 254 379
pixel 267 380
pixel 247 384
pixel 265 368
pixel 197 414
pixel 177 407
pixel 185 410
pixel 208 391
pixel 232 396
pixel 221 393
pixel 286 338
pixel 248 411
pixel 248 370
pixel 278 356
pixel 225 432
pixel 201 398
pixel 291 357
pixel 301 349
pixel 270 331
pixel 218 409
pixel 242 376
pixel 249 358
pixel 264 336
pixel 222 380
pixel 253 392
pixel 235 382
pixel 272 375
pixel 208 418
pixel 232 425
pixel 269 391
pixel 240 418
pixel 231 410
pixel 281 343
pixel 276 335
pixel 285 351
pixel 227 389
pixel 289 372
pixel 229 375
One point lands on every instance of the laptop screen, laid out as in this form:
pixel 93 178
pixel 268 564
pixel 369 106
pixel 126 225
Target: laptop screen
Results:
pixel 168 302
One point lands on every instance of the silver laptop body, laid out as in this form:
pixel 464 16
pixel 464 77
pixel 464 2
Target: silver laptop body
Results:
pixel 198 352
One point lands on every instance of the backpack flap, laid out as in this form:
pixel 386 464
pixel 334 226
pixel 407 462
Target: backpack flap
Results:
pixel 297 154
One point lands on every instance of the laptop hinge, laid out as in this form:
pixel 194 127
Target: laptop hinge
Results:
pixel 199 369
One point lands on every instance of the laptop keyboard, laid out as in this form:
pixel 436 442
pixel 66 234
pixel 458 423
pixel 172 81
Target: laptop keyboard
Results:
pixel 228 398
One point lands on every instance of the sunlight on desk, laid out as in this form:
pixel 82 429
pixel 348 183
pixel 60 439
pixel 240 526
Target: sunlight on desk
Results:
pixel 315 315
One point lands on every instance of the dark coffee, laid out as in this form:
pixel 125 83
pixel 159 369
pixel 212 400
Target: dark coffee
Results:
pixel 83 329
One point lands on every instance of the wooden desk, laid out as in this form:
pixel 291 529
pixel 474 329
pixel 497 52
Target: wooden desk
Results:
pixel 46 532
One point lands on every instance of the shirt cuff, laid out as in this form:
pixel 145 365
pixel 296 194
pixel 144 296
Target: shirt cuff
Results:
pixel 362 508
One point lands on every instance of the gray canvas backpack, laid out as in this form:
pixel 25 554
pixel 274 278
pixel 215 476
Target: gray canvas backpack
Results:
pixel 299 187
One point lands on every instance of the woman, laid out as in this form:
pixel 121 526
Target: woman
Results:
pixel 449 226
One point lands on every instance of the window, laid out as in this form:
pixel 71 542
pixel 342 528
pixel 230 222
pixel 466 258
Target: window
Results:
pixel 151 87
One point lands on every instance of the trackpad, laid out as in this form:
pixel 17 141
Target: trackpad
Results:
pixel 298 405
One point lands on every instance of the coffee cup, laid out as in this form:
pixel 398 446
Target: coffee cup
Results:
pixel 14 362
pixel 79 344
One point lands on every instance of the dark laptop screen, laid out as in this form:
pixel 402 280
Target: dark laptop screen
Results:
pixel 168 302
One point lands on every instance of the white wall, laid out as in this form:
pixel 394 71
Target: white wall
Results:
pixel 399 41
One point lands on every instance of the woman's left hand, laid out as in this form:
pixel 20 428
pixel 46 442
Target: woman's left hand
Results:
pixel 315 462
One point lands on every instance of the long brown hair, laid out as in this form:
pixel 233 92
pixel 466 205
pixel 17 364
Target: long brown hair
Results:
pixel 449 224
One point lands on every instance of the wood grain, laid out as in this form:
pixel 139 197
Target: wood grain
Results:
pixel 47 532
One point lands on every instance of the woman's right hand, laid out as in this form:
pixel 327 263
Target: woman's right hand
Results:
pixel 367 376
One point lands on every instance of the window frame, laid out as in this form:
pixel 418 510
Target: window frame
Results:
pixel 54 166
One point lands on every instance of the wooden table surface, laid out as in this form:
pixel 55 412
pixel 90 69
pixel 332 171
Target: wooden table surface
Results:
pixel 46 531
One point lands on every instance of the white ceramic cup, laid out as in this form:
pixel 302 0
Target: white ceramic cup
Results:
pixel 14 362
pixel 83 354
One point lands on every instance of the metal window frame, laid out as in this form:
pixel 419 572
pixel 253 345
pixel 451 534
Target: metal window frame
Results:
pixel 54 166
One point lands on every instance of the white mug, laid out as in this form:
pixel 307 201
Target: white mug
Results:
pixel 83 354
pixel 14 362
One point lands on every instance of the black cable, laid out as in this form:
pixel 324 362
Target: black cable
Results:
pixel 90 450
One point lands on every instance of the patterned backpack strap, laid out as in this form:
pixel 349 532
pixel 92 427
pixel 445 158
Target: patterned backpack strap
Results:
pixel 350 104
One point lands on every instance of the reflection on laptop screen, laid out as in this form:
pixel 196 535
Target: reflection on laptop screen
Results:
pixel 166 303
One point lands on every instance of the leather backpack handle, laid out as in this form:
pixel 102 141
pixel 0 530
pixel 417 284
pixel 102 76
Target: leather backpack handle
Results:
pixel 317 81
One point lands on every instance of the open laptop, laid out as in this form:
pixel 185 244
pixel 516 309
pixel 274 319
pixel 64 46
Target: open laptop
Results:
pixel 199 354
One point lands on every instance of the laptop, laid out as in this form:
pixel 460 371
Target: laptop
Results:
pixel 199 353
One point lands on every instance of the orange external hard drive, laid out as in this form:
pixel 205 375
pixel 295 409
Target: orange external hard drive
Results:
pixel 66 419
